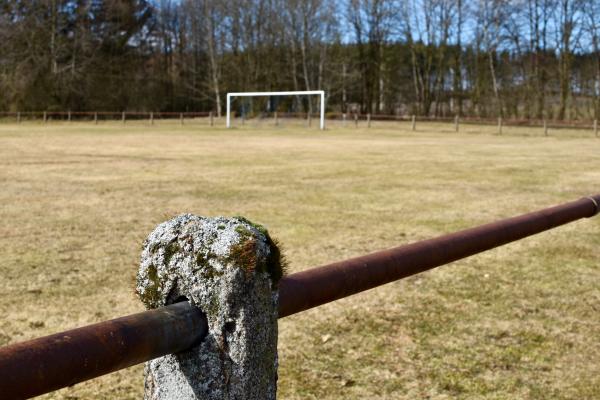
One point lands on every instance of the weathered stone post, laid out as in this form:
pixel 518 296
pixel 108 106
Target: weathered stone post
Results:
pixel 229 268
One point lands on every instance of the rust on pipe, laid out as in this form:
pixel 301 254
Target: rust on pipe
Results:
pixel 49 363
pixel 313 287
pixel 52 362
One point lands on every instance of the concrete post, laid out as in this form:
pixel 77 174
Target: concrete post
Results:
pixel 414 123
pixel 229 268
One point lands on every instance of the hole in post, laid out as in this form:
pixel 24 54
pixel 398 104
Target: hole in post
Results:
pixel 181 299
pixel 230 326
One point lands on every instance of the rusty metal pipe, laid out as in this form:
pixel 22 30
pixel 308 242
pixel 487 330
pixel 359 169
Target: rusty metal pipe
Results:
pixel 313 287
pixel 52 362
pixel 41 365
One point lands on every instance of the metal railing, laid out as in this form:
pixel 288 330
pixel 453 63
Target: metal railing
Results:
pixel 45 364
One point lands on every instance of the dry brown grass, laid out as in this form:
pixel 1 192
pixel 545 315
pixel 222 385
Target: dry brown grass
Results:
pixel 521 321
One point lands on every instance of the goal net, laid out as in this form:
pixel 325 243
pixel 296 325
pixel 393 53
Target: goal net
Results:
pixel 320 93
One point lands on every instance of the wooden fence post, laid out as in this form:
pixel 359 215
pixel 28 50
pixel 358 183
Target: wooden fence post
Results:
pixel 344 120
pixel 368 120
pixel 123 116
pixel 456 123
pixel 596 127
pixel 45 117
pixel 212 120
pixel 545 127
pixel 18 117
pixel 499 125
pixel 96 118
pixel 356 120
pixel 69 115
pixel 276 119
pixel 151 118
pixel 414 122
pixel 181 118
pixel 246 366
pixel 309 119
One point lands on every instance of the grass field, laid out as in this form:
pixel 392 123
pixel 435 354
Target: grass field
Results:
pixel 522 321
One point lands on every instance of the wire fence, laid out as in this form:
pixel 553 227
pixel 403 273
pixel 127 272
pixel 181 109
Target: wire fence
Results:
pixel 345 119
pixel 99 116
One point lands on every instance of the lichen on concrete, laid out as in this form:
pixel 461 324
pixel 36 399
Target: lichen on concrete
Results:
pixel 229 268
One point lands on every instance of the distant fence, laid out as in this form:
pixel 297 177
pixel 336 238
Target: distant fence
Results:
pixel 41 365
pixel 356 119
pixel 367 119
pixel 97 116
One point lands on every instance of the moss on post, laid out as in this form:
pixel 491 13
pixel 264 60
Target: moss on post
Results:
pixel 229 268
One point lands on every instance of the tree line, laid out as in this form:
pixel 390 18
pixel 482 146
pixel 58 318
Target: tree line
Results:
pixel 487 58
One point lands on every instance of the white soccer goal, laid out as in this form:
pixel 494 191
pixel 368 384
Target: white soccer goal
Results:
pixel 292 93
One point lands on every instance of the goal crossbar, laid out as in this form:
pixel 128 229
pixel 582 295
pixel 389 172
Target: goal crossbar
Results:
pixel 321 93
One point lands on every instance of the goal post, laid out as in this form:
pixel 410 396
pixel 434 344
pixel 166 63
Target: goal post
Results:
pixel 321 93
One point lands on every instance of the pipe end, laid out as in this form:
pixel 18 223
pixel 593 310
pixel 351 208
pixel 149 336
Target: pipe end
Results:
pixel 596 201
